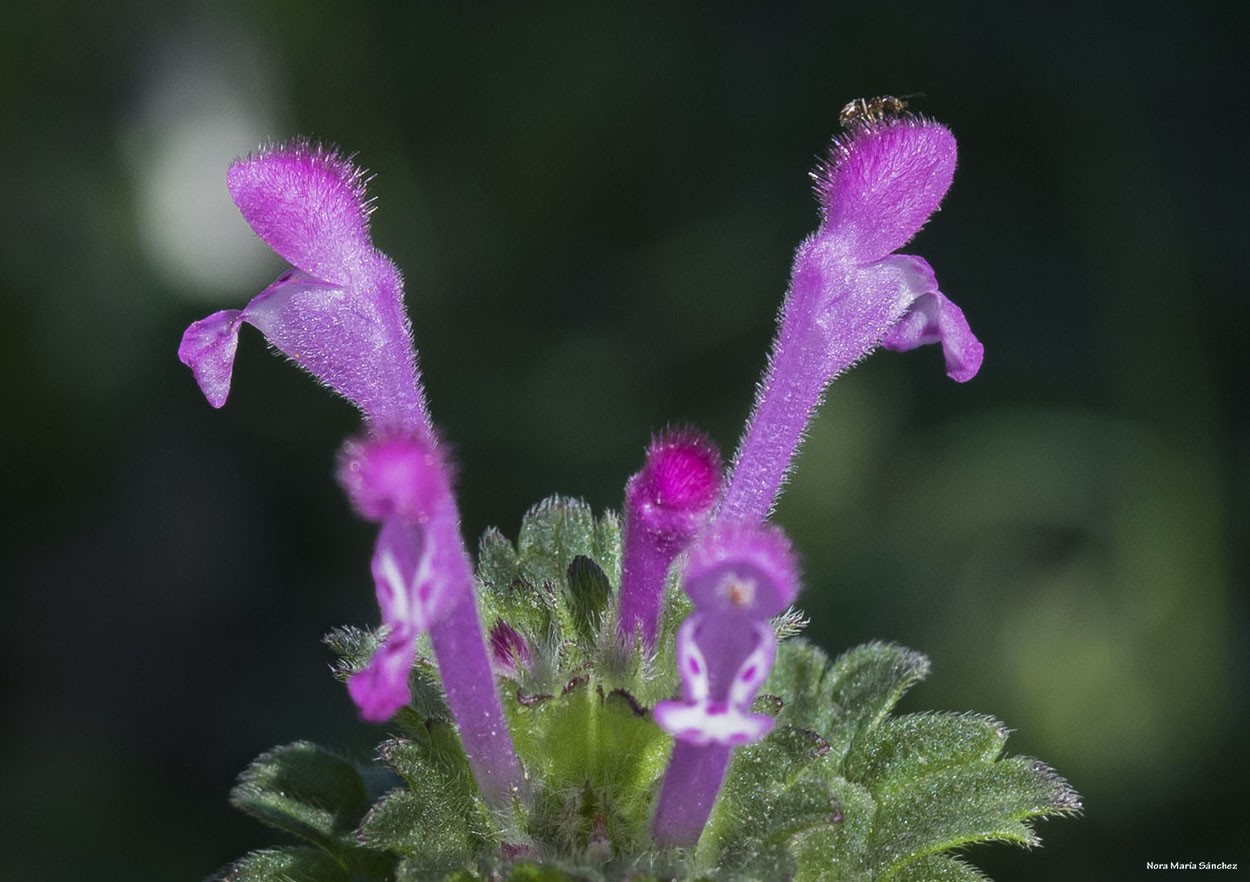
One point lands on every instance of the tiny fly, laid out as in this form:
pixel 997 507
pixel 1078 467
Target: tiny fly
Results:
pixel 871 110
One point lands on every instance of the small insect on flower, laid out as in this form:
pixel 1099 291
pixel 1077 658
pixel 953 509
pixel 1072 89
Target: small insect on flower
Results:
pixel 869 110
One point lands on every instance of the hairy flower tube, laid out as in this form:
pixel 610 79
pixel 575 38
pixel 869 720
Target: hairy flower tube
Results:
pixel 666 504
pixel 339 314
pixel 738 576
pixel 850 293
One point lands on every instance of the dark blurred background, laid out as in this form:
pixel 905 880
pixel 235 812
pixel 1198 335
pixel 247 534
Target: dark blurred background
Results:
pixel 595 207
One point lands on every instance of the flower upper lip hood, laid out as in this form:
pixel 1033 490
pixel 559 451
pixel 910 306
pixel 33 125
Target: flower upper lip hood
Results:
pixel 339 314
pixel 882 181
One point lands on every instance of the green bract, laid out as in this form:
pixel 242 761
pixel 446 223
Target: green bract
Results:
pixel 840 790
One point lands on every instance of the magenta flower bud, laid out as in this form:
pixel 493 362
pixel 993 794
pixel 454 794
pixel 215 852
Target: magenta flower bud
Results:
pixel 508 649
pixel 850 293
pixel 738 577
pixel 666 504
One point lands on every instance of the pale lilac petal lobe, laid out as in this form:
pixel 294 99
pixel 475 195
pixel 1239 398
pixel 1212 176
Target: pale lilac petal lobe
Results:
pixel 700 724
pixel 381 689
pixel 307 203
pixel 933 318
pixel 208 347
pixel 883 180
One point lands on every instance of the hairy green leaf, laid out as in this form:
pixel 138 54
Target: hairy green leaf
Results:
pixel 427 828
pixel 305 790
pixel 293 864
pixel 903 749
pixel 553 533
pixel 963 804
pixel 938 868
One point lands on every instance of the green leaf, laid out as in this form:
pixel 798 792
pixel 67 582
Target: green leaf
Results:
pixel 497 561
pixel 903 749
pixel 961 805
pixel 293 864
pixel 784 786
pixel 607 552
pixel 553 533
pixel 838 850
pixel 427 828
pixel 847 698
pixel 754 861
pixel 305 790
pixel 938 868
pixel 353 646
pixel 589 593
pixel 798 676
pixel 433 748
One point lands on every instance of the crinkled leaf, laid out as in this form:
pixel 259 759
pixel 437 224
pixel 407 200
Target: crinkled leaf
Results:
pixel 529 587
pixel 837 850
pixel 607 550
pixel 938 868
pixel 864 684
pixel 903 749
pixel 844 699
pixel 553 533
pixel 752 860
pixel 970 803
pixel 432 748
pixel 353 646
pixel 426 828
pixel 497 561
pixel 798 674
pixel 305 790
pixel 293 864
pixel 775 790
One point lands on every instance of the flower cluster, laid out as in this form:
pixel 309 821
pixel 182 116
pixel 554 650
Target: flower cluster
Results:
pixel 339 314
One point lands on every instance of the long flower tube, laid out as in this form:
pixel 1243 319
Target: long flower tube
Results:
pixel 339 314
pixel 850 293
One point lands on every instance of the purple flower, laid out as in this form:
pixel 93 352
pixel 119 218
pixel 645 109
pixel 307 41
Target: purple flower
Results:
pixel 739 576
pixel 849 292
pixel 666 504
pixel 340 315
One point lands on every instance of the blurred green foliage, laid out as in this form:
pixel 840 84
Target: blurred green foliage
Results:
pixel 594 207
